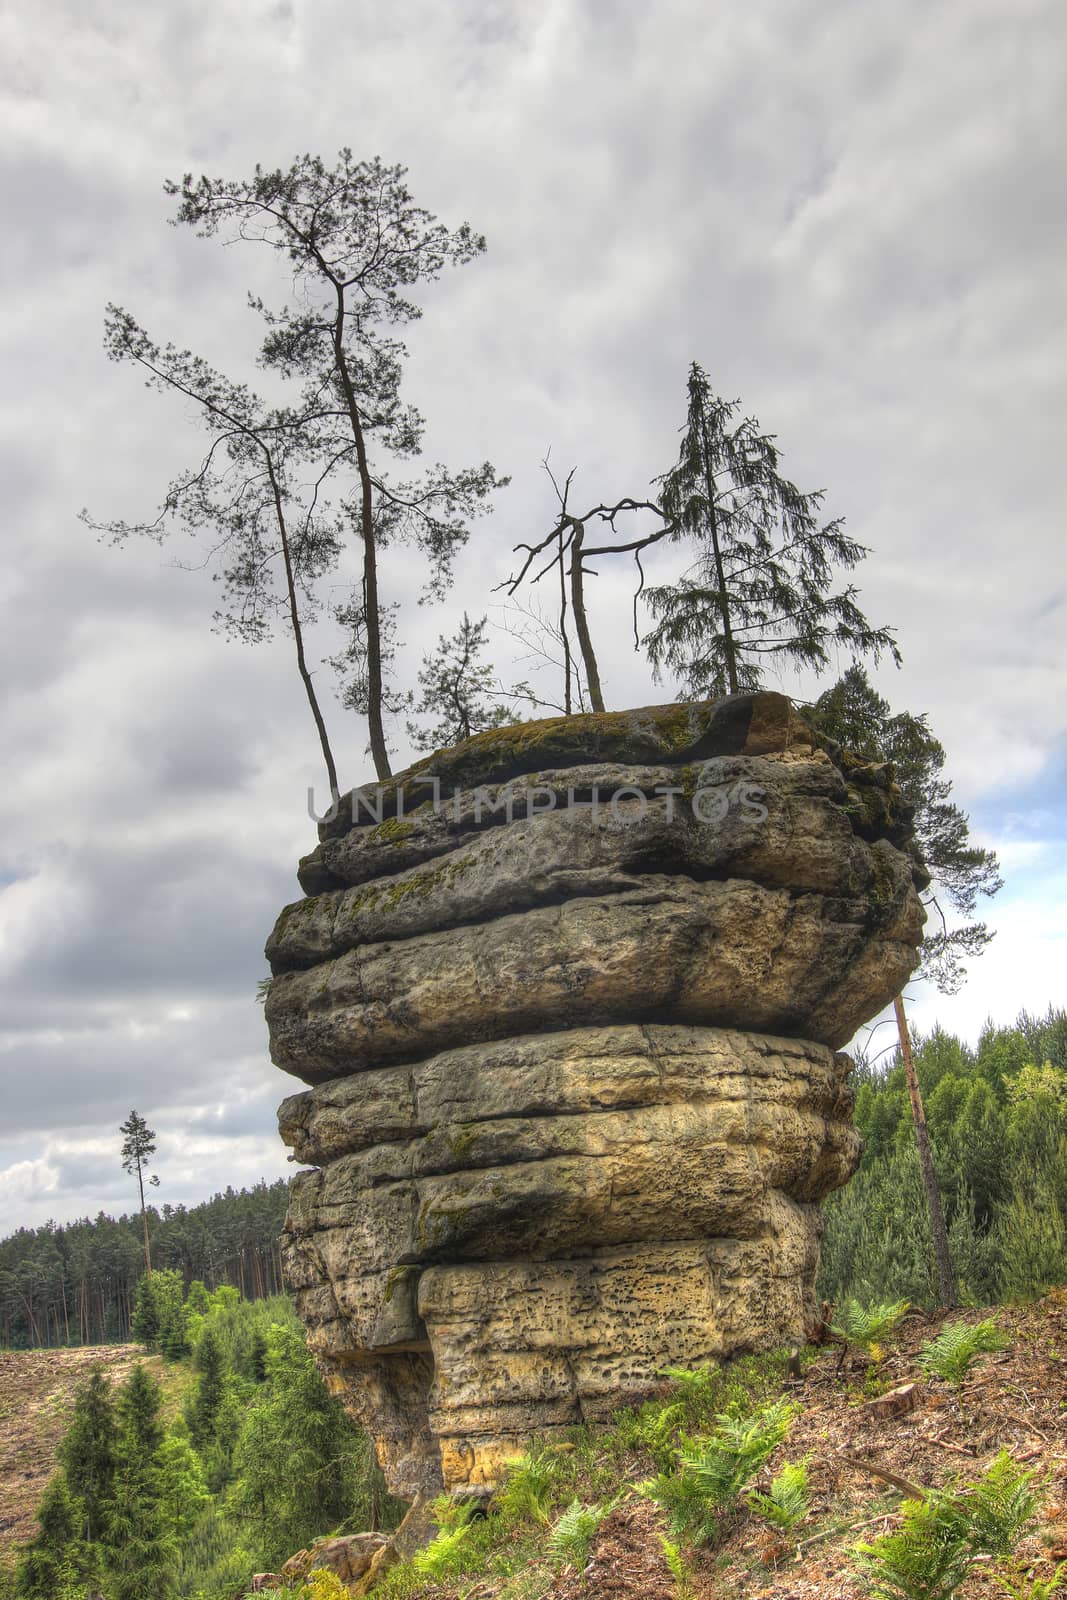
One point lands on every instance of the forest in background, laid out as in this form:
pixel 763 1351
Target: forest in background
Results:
pixel 77 1284
pixel 997 1116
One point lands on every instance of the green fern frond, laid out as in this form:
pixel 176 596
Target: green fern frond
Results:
pixel 952 1353
pixel 570 1538
pixel 443 1556
pixel 787 1500
pixel 867 1326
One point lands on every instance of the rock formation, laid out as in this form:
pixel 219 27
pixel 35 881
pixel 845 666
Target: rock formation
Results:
pixel 569 997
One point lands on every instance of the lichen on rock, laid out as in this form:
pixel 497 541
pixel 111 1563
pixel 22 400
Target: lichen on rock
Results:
pixel 569 997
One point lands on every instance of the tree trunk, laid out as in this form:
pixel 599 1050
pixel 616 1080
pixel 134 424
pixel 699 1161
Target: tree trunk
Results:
pixel 298 636
pixel 372 617
pixel 581 621
pixel 144 1220
pixel 938 1232
pixel 728 645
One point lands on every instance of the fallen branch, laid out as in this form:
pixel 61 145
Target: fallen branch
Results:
pixel 914 1490
pixel 844 1527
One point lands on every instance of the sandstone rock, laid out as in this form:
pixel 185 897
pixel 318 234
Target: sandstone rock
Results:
pixel 349 1556
pixel 571 1034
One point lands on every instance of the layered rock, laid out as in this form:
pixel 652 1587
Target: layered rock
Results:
pixel 570 1013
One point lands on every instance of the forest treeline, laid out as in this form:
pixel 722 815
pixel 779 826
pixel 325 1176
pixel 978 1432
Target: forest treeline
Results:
pixel 997 1116
pixel 77 1284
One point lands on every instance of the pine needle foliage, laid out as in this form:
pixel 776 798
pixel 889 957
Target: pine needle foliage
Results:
pixel 951 1355
pixel 760 589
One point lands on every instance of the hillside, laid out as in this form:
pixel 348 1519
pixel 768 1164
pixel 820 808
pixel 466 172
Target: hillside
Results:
pixel 1014 1399
pixel 36 1397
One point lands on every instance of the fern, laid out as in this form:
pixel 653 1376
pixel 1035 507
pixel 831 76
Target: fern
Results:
pixel 999 1509
pixel 676 1566
pixel 927 1559
pixel 952 1353
pixel 1038 1588
pixel 570 1538
pixel 787 1502
pixel 942 1536
pixel 528 1489
pixel 444 1556
pixel 711 1473
pixel 866 1327
pixel 695 1385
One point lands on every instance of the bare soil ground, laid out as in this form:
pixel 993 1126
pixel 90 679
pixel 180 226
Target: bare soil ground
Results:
pixel 37 1390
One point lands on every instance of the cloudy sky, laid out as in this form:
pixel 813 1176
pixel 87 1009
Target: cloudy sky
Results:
pixel 851 215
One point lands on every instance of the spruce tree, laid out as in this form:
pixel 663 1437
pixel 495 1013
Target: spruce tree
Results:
pixel 144 1323
pixel 141 1550
pixel 203 1410
pixel 856 716
pixel 55 1559
pixel 760 588
pixel 89 1453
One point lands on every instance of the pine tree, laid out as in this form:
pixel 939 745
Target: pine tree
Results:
pixel 138 1145
pixel 458 689
pixel 354 246
pixel 89 1452
pixel 760 588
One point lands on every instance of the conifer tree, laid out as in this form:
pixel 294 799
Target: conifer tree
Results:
pixel 761 585
pixel 203 1410
pixel 55 1559
pixel 89 1453
pixel 144 1323
pixel 138 1146
pixel 354 246
pixel 141 1551
pixel 856 716
pixel 459 689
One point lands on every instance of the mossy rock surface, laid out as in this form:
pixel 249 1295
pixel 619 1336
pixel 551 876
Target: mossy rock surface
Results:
pixel 751 724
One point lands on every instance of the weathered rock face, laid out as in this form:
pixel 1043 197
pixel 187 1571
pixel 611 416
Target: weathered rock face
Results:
pixel 571 1031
